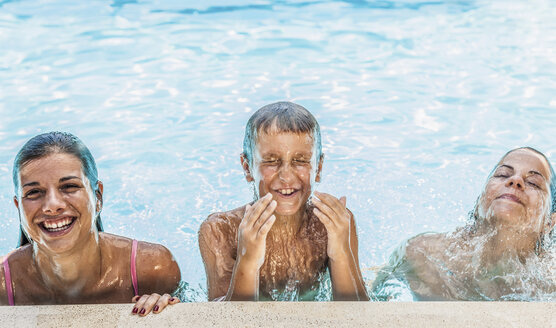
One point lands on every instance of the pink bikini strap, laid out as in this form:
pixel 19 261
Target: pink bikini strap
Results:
pixel 133 267
pixel 8 278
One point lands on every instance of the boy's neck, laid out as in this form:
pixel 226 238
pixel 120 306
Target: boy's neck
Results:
pixel 288 225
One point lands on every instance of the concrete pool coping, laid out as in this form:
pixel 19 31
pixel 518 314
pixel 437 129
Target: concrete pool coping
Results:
pixel 294 314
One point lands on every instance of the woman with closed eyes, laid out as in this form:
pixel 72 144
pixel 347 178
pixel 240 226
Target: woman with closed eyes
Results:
pixel 505 252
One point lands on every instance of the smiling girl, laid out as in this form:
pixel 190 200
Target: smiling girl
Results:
pixel 64 257
pixel 282 242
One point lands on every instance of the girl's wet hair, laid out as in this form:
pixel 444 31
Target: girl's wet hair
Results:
pixel 474 214
pixel 52 143
pixel 283 116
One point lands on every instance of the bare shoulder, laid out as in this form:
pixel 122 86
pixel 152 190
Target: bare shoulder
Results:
pixel 424 246
pixel 17 260
pixel 218 226
pixel 157 269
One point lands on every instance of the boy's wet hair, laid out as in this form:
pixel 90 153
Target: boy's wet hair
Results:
pixel 56 143
pixel 283 116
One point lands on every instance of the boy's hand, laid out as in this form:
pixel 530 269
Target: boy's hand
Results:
pixel 332 212
pixel 255 225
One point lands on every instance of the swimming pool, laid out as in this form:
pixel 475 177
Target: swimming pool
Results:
pixel 416 100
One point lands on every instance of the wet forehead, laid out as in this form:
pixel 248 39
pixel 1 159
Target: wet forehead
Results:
pixel 54 165
pixel 280 143
pixel 527 160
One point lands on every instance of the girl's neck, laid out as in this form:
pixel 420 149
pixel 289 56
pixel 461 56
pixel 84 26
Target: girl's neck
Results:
pixel 73 271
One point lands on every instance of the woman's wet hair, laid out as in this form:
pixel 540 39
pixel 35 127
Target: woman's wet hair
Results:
pixel 283 116
pixel 552 236
pixel 54 143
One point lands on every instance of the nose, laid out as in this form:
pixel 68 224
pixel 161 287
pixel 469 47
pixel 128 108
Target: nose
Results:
pixel 515 181
pixel 286 173
pixel 53 203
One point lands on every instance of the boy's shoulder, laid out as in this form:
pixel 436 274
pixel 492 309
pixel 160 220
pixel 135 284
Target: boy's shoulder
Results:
pixel 223 220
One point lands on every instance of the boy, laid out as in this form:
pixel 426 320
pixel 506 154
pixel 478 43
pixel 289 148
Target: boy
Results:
pixel 281 242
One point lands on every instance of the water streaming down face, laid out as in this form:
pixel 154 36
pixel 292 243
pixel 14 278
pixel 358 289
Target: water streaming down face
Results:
pixel 504 253
pixel 409 95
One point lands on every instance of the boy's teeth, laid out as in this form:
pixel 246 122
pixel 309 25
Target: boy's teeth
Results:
pixel 286 191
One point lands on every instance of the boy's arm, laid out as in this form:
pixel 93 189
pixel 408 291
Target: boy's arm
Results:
pixel 240 283
pixel 342 249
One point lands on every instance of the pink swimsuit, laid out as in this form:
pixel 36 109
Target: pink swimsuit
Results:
pixel 8 276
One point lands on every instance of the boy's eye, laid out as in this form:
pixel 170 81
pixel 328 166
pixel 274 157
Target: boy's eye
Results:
pixel 271 161
pixel 301 161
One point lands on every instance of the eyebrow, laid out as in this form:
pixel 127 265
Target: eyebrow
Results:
pixel 34 183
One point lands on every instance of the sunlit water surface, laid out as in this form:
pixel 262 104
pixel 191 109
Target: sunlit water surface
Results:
pixel 417 100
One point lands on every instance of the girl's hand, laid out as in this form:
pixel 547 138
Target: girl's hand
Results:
pixel 144 304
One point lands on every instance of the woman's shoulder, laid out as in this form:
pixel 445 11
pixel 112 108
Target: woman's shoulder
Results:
pixel 15 260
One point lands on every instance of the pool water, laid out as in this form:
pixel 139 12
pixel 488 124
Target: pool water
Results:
pixel 417 100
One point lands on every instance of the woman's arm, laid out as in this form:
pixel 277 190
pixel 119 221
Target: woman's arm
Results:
pixel 158 275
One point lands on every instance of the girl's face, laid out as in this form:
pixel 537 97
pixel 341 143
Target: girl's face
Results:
pixel 518 192
pixel 284 165
pixel 56 204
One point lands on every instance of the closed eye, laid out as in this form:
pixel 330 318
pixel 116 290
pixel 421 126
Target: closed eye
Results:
pixel 70 187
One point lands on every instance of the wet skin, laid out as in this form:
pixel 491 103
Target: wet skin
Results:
pixel 483 262
pixel 279 240
pixel 69 261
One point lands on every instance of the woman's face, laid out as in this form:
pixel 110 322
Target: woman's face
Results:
pixel 518 192
pixel 56 204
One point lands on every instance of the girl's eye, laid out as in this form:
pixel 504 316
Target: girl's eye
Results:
pixel 534 184
pixel 32 194
pixel 271 162
pixel 501 175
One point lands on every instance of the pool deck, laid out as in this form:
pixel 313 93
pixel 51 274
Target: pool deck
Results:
pixel 266 314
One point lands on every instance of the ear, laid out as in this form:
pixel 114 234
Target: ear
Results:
pixel 319 168
pixel 246 168
pixel 16 203
pixel 98 193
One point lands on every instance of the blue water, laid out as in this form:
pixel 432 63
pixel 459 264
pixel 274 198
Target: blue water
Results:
pixel 416 99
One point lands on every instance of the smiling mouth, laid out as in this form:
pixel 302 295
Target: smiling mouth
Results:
pixel 57 226
pixel 511 197
pixel 286 192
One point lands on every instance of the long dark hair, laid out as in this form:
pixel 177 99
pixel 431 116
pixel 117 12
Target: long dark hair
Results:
pixel 50 143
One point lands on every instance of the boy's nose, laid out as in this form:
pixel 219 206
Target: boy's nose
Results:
pixel 286 173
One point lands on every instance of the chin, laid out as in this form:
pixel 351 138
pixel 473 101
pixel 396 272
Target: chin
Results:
pixel 286 210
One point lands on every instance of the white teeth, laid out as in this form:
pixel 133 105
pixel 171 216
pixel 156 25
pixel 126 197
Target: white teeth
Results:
pixel 57 226
pixel 286 191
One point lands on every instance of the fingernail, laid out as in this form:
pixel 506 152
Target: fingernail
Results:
pixel 155 308
pixel 135 310
pixel 142 311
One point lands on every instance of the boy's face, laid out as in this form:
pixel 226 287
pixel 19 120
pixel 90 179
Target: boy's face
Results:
pixel 284 164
